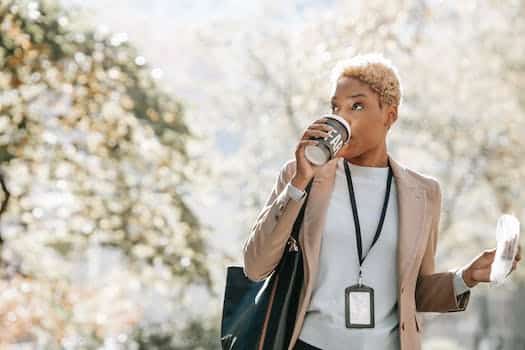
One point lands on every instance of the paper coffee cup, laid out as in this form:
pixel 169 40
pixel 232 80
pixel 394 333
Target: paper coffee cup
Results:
pixel 327 148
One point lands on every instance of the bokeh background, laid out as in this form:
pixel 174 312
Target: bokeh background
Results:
pixel 139 139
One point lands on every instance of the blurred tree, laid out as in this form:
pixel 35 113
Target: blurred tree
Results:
pixel 83 115
pixel 94 152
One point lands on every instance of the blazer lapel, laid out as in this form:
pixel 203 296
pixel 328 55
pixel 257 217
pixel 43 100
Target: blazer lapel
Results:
pixel 412 207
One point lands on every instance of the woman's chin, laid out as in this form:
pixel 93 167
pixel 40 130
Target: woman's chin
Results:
pixel 348 152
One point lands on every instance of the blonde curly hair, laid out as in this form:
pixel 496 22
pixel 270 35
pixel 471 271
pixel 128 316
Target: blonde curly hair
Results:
pixel 374 70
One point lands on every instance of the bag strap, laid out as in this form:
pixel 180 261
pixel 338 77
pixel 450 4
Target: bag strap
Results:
pixel 296 226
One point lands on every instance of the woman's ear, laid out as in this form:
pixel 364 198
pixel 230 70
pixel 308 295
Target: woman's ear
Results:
pixel 391 116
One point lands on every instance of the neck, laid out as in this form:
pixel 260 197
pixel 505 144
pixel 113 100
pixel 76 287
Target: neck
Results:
pixel 377 157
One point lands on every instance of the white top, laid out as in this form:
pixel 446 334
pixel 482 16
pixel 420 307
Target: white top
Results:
pixel 324 324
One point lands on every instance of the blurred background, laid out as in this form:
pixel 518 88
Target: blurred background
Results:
pixel 139 139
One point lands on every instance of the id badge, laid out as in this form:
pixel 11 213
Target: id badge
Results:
pixel 359 306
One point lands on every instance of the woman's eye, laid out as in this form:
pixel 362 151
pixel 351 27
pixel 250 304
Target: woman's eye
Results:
pixel 357 106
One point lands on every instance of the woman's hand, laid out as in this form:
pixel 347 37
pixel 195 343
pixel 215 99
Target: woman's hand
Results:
pixel 304 169
pixel 478 270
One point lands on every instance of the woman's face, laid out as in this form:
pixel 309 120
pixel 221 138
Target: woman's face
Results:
pixel 358 104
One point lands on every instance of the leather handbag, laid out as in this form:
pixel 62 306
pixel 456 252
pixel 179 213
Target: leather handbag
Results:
pixel 261 315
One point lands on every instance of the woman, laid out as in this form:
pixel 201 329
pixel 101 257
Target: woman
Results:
pixel 370 228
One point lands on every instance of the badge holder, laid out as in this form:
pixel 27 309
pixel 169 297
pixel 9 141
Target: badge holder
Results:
pixel 359 306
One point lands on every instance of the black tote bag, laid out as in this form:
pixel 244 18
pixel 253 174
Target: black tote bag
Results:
pixel 263 313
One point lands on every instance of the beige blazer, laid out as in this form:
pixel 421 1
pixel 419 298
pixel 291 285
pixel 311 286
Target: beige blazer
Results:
pixel 420 287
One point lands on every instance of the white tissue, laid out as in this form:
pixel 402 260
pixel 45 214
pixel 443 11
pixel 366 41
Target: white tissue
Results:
pixel 507 236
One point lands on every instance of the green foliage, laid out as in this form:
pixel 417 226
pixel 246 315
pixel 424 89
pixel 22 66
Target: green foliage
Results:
pixel 85 123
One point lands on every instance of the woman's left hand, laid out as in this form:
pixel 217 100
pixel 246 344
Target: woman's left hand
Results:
pixel 478 270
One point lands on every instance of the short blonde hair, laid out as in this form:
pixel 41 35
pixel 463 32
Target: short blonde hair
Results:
pixel 374 70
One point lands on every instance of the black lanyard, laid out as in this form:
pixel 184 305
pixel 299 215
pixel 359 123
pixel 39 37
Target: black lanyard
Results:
pixel 356 216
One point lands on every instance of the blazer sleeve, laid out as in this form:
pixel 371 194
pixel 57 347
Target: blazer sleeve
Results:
pixel 265 244
pixel 435 291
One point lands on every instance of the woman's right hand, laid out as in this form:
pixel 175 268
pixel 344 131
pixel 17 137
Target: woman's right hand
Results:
pixel 304 169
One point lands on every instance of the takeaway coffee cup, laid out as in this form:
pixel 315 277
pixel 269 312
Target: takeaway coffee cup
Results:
pixel 328 147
